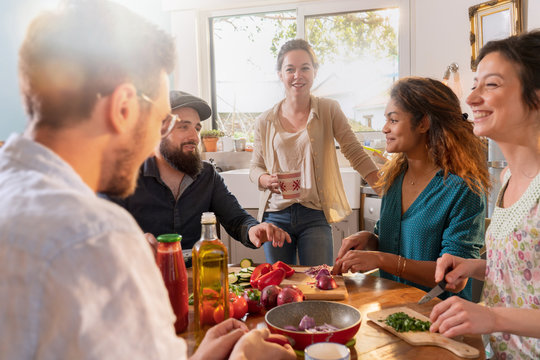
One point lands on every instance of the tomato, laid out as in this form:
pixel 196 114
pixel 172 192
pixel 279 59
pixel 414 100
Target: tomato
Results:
pixel 238 305
pixel 253 299
pixel 219 313
pixel 274 277
pixel 289 271
pixel 209 294
pixel 258 272
pixel 207 314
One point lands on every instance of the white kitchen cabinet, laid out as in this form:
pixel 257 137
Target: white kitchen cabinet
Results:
pixel 344 228
pixel 237 251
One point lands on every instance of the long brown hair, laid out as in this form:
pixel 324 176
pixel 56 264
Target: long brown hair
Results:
pixel 451 143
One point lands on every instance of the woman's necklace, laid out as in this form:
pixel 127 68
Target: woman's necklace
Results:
pixel 414 181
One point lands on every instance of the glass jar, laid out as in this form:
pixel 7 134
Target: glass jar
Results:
pixel 170 261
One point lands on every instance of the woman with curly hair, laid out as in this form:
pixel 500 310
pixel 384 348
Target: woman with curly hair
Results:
pixel 433 189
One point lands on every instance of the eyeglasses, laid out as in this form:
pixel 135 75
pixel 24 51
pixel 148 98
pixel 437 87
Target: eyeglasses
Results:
pixel 167 124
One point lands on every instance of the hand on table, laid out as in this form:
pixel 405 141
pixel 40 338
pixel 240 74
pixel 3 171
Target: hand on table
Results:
pixel 357 261
pixel 259 234
pixel 270 182
pixel 220 340
pixel 456 316
pixel 253 346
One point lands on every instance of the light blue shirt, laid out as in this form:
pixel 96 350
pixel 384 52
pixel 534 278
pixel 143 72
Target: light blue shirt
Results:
pixel 78 280
pixel 447 217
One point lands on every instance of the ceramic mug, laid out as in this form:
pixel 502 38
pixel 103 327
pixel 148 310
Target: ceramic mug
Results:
pixel 327 351
pixel 289 184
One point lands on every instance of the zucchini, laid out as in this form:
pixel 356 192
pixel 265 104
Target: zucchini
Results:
pixel 245 263
pixel 244 276
pixel 244 284
pixel 232 278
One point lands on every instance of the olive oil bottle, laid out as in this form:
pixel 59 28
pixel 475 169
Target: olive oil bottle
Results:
pixel 210 276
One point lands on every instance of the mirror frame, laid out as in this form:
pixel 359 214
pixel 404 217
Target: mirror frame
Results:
pixel 491 11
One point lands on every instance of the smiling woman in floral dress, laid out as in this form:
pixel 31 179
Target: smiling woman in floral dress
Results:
pixel 505 101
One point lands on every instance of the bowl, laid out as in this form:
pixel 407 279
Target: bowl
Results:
pixel 345 317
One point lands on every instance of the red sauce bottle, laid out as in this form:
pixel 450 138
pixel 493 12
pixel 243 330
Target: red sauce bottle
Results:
pixel 170 261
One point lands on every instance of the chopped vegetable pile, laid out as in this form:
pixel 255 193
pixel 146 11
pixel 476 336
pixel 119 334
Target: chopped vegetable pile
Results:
pixel 307 324
pixel 402 322
pixel 314 271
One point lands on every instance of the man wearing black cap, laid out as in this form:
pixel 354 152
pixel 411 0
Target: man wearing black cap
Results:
pixel 175 186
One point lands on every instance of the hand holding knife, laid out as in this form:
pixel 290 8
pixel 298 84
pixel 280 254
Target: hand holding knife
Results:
pixel 436 291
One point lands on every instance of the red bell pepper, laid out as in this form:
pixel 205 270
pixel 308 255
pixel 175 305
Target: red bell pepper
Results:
pixel 289 271
pixel 274 277
pixel 258 272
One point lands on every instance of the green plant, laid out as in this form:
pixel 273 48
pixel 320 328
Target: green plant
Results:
pixel 213 133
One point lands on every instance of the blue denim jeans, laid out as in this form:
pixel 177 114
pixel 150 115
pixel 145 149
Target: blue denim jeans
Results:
pixel 310 233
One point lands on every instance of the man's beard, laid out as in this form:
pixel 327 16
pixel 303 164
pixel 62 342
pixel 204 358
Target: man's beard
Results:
pixel 189 163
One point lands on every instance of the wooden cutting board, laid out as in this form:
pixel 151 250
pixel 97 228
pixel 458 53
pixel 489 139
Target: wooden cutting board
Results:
pixel 308 286
pixel 422 337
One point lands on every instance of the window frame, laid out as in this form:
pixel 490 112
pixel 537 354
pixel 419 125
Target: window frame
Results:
pixel 303 10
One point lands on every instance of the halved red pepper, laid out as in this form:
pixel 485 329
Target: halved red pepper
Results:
pixel 274 277
pixel 258 272
pixel 289 271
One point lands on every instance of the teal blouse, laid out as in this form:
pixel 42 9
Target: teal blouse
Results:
pixel 447 217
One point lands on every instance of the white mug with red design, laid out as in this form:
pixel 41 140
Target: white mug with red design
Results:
pixel 289 184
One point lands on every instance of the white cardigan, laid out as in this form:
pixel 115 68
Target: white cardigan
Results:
pixel 326 121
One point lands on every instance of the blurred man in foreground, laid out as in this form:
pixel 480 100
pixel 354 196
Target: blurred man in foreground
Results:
pixel 78 278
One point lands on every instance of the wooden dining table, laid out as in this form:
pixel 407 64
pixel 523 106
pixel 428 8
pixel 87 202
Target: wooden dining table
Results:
pixel 370 293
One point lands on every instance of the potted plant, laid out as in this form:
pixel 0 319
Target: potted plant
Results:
pixel 210 138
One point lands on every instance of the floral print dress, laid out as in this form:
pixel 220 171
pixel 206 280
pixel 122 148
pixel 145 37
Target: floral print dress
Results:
pixel 513 266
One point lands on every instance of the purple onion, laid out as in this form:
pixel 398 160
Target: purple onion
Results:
pixel 306 323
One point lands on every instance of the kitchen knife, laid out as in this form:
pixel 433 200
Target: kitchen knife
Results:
pixel 436 291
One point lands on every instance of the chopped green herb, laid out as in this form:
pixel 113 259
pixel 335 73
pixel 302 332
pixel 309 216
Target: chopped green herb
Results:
pixel 402 322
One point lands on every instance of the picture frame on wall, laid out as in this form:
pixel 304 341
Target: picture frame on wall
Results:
pixel 493 20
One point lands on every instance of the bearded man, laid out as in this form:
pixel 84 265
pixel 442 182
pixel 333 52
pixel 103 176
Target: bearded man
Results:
pixel 175 186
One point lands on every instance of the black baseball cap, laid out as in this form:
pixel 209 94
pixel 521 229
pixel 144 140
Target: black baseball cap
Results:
pixel 180 99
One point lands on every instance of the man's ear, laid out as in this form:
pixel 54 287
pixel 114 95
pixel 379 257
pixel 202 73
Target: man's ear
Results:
pixel 123 108
pixel 424 125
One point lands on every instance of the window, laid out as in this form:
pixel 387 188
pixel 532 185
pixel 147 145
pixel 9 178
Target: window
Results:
pixel 361 53
pixel 244 56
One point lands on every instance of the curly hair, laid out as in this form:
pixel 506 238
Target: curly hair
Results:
pixel 451 144
pixel 86 48
pixel 296 44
